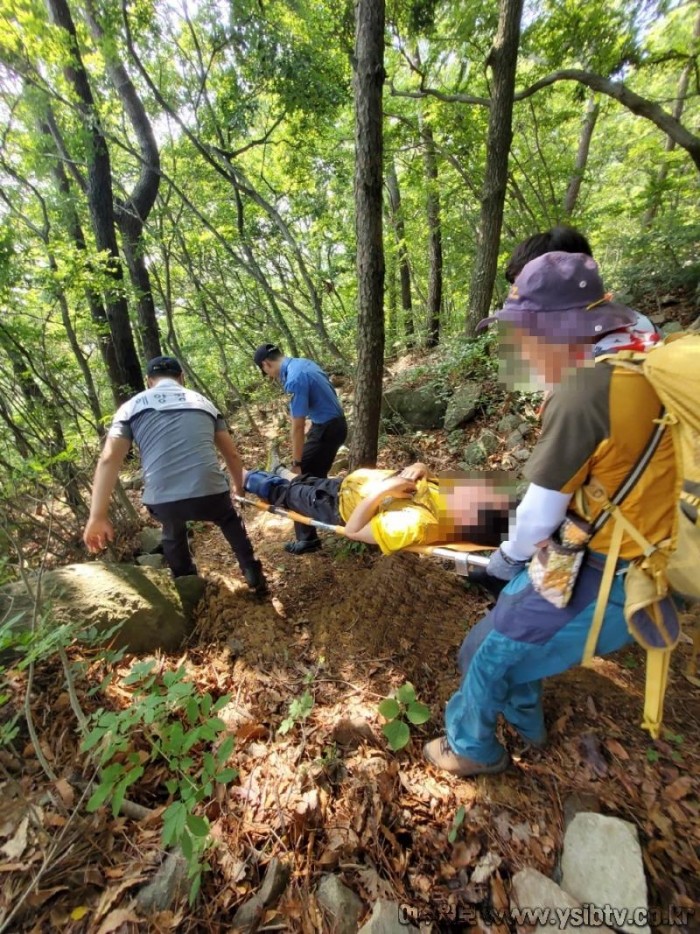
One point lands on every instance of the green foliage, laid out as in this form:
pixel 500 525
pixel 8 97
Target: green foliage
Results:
pixel 396 710
pixel 457 822
pixel 299 710
pixel 178 726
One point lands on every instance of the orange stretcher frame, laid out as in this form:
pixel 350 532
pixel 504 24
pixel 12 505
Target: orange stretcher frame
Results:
pixel 463 554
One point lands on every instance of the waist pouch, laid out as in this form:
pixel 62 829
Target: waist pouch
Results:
pixel 555 567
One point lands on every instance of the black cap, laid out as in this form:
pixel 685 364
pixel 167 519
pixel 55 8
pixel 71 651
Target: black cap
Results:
pixel 161 366
pixel 263 352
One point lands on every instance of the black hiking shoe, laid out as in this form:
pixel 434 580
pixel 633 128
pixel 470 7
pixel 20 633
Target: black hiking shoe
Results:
pixel 255 579
pixel 301 548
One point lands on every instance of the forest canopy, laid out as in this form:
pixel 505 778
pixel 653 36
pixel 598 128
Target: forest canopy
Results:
pixel 179 178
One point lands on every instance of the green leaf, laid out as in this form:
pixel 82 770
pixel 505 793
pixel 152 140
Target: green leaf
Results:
pixel 223 753
pixel 120 788
pixel 197 826
pixel 406 694
pixel 397 734
pixel 221 703
pixel 99 796
pixel 192 710
pixel 226 775
pixel 174 818
pixel 457 822
pixel 194 888
pixel 652 755
pixel 186 846
pixel 418 713
pixel 389 708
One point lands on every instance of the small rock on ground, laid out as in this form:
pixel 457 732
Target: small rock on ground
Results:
pixel 602 865
pixel 387 918
pixel 150 540
pixel 168 884
pixel 532 889
pixel 151 561
pixel 340 903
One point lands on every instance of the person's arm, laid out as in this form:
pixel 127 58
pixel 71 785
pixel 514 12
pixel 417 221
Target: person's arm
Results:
pixel 357 527
pixel 539 514
pixel 232 459
pixel 298 425
pixel 99 530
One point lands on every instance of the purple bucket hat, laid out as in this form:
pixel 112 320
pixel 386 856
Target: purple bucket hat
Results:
pixel 561 298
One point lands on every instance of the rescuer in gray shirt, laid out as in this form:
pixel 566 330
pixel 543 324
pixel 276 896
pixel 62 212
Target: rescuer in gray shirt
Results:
pixel 179 434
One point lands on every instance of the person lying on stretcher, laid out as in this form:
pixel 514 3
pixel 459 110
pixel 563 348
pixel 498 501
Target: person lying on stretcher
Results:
pixel 394 509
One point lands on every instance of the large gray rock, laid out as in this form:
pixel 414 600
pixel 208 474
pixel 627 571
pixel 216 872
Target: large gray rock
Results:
pixel 151 540
pixel 341 903
pixel 423 407
pixel 602 865
pixel 143 604
pixel 386 918
pixel 532 890
pixel 463 405
pixel 167 886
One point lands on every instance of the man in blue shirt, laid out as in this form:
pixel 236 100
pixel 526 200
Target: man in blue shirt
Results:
pixel 313 397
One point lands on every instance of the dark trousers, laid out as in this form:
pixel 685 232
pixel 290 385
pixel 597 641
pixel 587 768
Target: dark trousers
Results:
pixel 320 447
pixel 216 508
pixel 315 497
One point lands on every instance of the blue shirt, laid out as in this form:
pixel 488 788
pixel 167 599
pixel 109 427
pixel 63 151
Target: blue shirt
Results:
pixel 313 396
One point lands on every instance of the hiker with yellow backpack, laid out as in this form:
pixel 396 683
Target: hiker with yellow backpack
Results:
pixel 608 527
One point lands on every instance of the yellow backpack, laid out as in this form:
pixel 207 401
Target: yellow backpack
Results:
pixel 673 369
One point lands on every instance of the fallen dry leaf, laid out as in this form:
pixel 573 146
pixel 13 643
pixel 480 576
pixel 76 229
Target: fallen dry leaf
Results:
pixel 616 749
pixel 116 918
pixel 17 844
pixel 679 789
pixel 486 866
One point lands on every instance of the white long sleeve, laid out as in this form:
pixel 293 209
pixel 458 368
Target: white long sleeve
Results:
pixel 538 515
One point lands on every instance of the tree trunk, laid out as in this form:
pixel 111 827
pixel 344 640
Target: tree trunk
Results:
pixel 682 90
pixel 75 232
pixel 101 205
pixel 397 222
pixel 369 84
pixel 434 235
pixel 584 147
pixel 133 214
pixel 503 59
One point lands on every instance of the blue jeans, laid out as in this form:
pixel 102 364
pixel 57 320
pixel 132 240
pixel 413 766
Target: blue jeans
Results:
pixel 520 641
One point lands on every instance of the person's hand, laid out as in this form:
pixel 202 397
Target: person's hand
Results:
pixel 98 532
pixel 503 567
pixel 416 471
pixel 398 487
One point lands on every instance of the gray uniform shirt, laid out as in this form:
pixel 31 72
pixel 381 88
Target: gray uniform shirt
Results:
pixel 174 429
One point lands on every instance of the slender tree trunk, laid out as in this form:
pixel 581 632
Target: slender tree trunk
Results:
pixel 75 232
pixel 397 222
pixel 434 235
pixel 369 85
pixel 502 59
pixel 132 215
pixel 584 147
pixel 391 300
pixel 101 205
pixel 681 91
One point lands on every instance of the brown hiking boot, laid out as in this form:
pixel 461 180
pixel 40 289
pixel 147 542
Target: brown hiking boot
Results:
pixel 439 754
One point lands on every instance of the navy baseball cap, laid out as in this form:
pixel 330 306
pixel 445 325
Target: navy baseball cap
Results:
pixel 160 366
pixel 263 352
